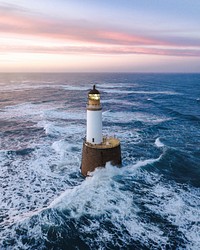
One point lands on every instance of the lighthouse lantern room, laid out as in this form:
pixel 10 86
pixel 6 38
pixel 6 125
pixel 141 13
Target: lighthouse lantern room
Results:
pixel 94 118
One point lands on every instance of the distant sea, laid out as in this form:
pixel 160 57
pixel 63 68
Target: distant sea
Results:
pixel 151 202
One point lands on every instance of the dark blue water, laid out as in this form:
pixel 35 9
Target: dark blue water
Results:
pixel 152 202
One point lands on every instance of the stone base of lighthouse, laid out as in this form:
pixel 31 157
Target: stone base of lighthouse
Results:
pixel 96 155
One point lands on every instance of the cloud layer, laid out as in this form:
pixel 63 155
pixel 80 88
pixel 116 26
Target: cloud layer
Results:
pixel 82 36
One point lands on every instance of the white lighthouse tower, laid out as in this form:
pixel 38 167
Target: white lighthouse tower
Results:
pixel 94 118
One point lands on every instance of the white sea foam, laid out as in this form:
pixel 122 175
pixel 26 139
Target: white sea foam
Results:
pixel 125 135
pixel 101 178
pixel 26 111
pixel 124 117
pixel 105 197
pixel 114 85
pixel 25 86
pixel 40 112
pixel 31 85
pixel 116 91
pixel 158 143
pixel 142 163
pixel 72 87
pixel 110 101
pixel 59 114
pixel 42 181
pixel 36 179
pixel 102 196
pixel 99 192
pixel 181 207
pixel 31 182
pixel 62 128
pixel 121 102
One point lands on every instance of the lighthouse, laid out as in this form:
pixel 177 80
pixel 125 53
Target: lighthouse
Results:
pixel 97 149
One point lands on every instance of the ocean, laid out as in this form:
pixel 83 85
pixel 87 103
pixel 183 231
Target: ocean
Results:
pixel 151 202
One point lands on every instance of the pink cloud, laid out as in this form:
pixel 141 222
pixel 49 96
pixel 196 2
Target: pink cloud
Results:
pixel 126 38
pixel 104 50
pixel 104 40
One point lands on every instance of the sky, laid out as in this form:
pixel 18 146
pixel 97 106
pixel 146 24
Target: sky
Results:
pixel 100 36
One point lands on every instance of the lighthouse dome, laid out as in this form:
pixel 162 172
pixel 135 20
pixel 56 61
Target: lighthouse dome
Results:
pixel 94 90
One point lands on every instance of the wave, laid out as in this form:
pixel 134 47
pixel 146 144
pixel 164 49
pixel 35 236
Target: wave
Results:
pixel 25 86
pixel 61 129
pixel 25 110
pixel 31 85
pixel 99 177
pixel 188 117
pixel 38 112
pixel 59 114
pixel 149 203
pixel 146 214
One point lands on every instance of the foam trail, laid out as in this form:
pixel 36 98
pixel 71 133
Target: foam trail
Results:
pixel 77 88
pixel 56 114
pixel 105 112
pixel 146 162
pixel 23 111
pixel 141 92
pixel 122 102
pixel 142 163
pixel 126 117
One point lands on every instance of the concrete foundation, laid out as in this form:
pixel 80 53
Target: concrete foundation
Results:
pixel 94 156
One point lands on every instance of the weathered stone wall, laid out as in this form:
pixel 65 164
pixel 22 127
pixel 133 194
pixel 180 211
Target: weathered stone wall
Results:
pixel 96 157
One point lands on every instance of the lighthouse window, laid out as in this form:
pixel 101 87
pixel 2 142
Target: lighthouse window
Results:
pixel 92 139
pixel 94 96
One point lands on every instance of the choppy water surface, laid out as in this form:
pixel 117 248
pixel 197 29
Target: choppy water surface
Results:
pixel 152 202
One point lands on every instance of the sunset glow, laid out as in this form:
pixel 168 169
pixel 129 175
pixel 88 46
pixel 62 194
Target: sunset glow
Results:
pixel 63 36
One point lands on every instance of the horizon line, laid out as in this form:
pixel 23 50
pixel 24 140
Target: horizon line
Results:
pixel 97 72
